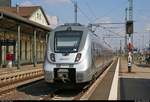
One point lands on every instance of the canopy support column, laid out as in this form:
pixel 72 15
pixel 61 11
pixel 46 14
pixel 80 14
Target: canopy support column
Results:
pixel 18 47
pixel 34 49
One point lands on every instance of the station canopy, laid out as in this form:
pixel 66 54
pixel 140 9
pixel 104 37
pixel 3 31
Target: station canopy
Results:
pixel 10 21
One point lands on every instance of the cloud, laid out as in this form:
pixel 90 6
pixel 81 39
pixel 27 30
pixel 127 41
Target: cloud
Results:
pixel 104 20
pixel 53 21
pixel 44 2
pixel 147 27
pixel 56 1
pixel 27 3
pixel 144 18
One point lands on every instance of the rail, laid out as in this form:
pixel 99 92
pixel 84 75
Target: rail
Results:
pixel 13 80
pixel 55 94
pixel 86 91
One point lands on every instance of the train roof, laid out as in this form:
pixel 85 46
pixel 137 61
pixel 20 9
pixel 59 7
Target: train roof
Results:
pixel 78 26
pixel 70 26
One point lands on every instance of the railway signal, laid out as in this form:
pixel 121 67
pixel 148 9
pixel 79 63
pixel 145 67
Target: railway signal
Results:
pixel 130 47
pixel 129 27
pixel 129 30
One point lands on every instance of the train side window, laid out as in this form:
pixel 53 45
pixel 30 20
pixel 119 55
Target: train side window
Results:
pixel 93 48
pixel 99 52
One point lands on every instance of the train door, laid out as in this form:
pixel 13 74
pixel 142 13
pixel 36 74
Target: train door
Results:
pixel 5 47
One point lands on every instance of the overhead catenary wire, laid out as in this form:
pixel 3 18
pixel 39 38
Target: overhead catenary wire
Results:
pixel 73 2
pixel 105 28
pixel 90 10
pixel 106 23
pixel 109 12
pixel 110 30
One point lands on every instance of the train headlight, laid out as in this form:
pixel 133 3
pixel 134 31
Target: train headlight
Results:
pixel 78 57
pixel 52 56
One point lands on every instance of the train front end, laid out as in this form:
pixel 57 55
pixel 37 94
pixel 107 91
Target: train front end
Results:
pixel 64 62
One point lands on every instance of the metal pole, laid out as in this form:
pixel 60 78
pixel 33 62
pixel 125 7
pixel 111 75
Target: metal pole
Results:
pixel 120 47
pixel 143 44
pixel 130 9
pixel 18 47
pixel 131 15
pixel 130 18
pixel 75 11
pixel 130 56
pixel 149 38
pixel 125 33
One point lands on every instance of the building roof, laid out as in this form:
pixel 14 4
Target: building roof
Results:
pixel 5 17
pixel 24 11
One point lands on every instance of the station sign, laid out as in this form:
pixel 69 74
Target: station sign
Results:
pixel 7 42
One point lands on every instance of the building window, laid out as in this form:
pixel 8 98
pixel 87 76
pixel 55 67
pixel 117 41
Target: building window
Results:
pixel 39 16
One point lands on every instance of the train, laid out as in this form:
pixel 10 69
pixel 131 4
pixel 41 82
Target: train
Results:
pixel 75 55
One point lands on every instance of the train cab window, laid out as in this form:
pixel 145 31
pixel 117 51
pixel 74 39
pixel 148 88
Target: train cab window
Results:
pixel 67 41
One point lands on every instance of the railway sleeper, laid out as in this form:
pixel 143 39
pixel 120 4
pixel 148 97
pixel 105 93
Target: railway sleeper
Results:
pixel 10 87
pixel 20 75
pixel 17 78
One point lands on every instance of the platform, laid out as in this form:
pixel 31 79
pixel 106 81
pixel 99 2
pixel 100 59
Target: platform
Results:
pixel 103 84
pixel 134 85
pixel 130 86
pixel 137 71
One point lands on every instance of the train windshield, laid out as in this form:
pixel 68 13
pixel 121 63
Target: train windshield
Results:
pixel 67 41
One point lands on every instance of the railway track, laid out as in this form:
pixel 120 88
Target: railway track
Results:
pixel 62 94
pixel 31 90
pixel 81 94
pixel 9 82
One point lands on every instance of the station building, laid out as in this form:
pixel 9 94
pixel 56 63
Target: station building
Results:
pixel 23 32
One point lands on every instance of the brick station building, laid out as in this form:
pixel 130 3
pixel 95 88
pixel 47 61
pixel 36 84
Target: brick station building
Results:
pixel 23 32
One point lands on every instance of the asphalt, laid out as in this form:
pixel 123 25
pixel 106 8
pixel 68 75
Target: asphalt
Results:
pixel 134 85
pixel 134 89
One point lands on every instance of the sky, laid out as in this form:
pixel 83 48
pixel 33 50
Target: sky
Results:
pixel 100 11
